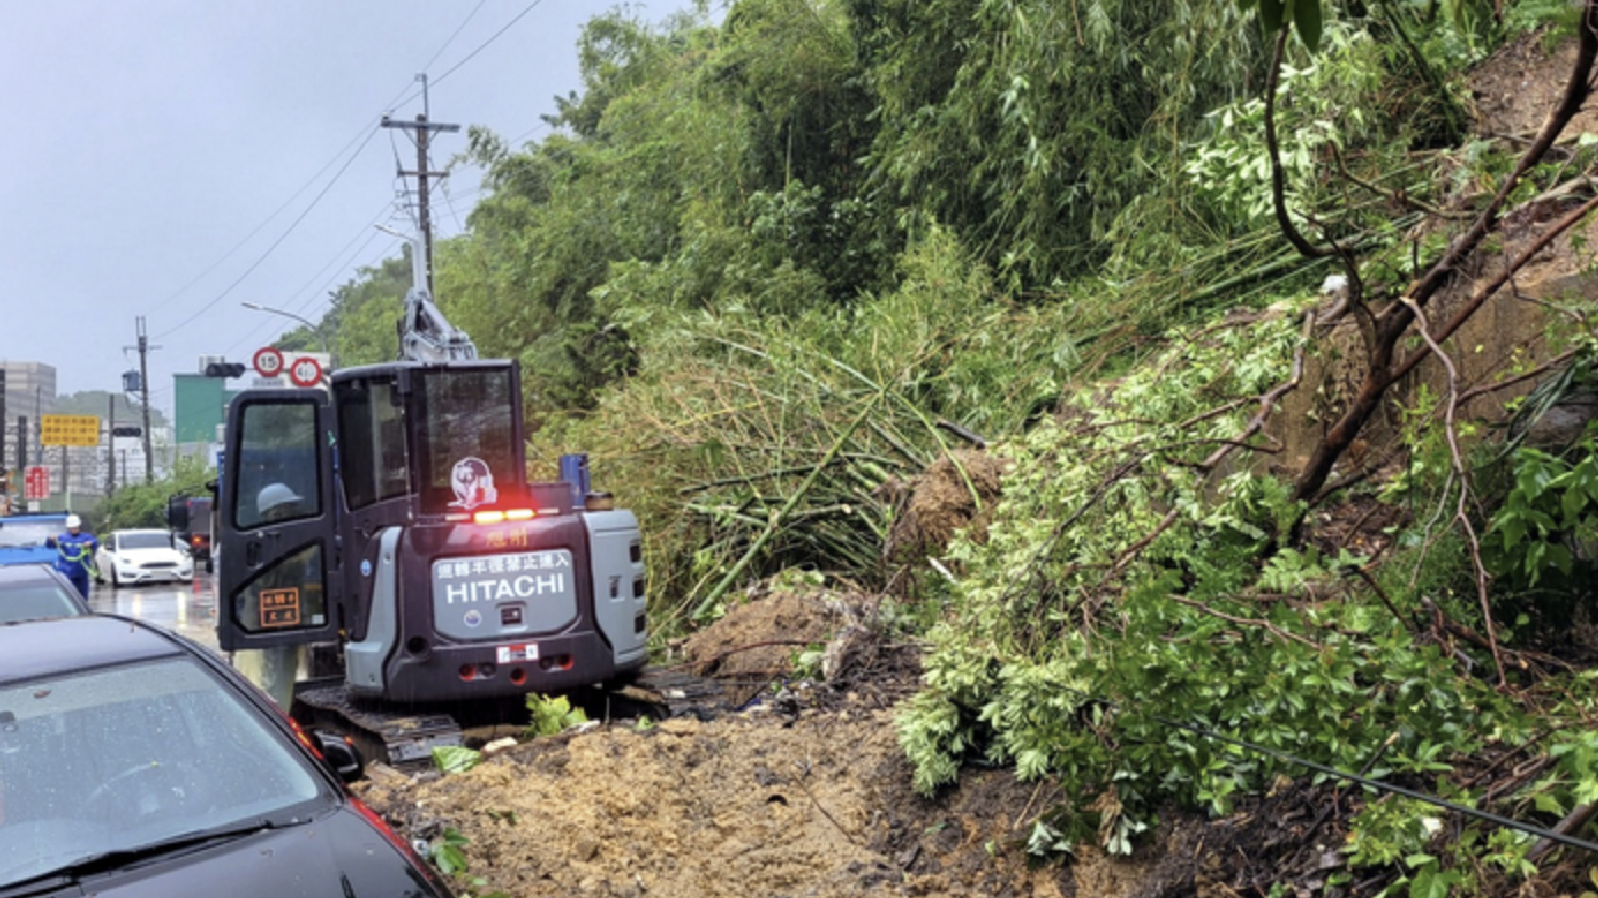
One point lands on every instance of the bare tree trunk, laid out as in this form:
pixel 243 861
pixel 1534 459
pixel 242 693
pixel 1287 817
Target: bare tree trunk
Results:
pixel 1395 322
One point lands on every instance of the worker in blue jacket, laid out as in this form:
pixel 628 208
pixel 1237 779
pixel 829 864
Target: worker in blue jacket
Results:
pixel 75 554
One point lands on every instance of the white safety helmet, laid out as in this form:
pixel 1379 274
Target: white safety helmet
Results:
pixel 272 495
pixel 73 522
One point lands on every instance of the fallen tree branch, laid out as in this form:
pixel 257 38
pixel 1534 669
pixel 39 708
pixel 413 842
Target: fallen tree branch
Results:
pixel 782 514
pixel 1461 509
pixel 1555 362
pixel 1480 296
pixel 1284 221
pixel 971 437
pixel 1408 622
pixel 1395 322
pixel 1244 621
pixel 1572 824
pixel 1396 196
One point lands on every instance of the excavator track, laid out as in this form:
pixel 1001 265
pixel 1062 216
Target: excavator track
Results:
pixel 404 738
pixel 388 734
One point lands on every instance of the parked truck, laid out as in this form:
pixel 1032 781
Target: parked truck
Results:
pixel 190 520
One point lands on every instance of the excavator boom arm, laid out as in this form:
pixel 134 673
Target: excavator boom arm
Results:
pixel 425 335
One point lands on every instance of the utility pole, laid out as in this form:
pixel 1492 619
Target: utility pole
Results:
pixel 144 349
pixel 421 131
pixel 110 444
pixel 5 488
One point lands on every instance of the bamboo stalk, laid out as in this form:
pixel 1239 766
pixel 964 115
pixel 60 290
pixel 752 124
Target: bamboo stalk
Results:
pixel 743 562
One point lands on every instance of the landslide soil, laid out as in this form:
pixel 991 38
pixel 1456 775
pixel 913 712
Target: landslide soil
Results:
pixel 754 804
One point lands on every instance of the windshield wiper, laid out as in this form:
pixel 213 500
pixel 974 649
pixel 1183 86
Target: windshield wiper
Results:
pixel 69 874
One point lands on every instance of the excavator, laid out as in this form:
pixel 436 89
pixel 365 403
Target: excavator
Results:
pixel 388 514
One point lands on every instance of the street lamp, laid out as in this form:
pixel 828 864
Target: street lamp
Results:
pixel 314 328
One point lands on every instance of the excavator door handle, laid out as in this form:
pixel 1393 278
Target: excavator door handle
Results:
pixel 252 554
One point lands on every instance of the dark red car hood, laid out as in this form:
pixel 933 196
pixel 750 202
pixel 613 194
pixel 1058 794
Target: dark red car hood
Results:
pixel 337 856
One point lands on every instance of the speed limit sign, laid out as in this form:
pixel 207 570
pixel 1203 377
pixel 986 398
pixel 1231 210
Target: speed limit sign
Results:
pixel 268 362
pixel 305 372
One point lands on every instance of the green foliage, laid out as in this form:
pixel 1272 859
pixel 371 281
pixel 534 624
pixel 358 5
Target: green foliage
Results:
pixel 1321 104
pixel 730 414
pixel 456 758
pixel 1028 125
pixel 1081 623
pixel 446 852
pixel 552 715
pixel 1552 505
pixel 140 504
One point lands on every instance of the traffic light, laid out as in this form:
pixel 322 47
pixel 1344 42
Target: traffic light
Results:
pixel 126 431
pixel 224 369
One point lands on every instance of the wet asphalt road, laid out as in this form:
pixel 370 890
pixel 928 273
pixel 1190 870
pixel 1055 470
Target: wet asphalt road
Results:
pixel 188 608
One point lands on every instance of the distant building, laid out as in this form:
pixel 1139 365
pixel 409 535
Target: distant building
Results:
pixel 30 391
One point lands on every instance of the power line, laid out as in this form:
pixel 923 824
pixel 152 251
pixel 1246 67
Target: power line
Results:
pixel 278 242
pixel 368 231
pixel 342 169
pixel 253 336
pixel 364 131
pixel 264 222
pixel 480 48
pixel 454 34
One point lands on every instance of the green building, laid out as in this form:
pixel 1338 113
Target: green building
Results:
pixel 201 405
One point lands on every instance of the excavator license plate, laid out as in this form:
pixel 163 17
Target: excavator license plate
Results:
pixel 510 654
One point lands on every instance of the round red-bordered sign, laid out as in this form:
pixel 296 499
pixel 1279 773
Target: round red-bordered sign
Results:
pixel 268 361
pixel 305 372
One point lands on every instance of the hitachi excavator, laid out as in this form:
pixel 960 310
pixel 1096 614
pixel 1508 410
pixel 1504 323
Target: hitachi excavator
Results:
pixel 389 513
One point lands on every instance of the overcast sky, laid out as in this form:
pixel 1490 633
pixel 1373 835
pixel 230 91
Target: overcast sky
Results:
pixel 150 138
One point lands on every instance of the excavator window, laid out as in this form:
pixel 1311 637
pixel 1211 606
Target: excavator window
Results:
pixel 278 465
pixel 372 442
pixel 467 445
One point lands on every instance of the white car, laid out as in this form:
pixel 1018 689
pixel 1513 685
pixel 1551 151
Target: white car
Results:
pixel 127 557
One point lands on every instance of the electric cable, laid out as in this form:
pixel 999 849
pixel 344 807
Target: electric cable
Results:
pixel 480 48
pixel 276 243
pixel 454 34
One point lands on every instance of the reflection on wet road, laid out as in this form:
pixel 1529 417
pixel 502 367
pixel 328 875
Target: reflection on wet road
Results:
pixel 187 608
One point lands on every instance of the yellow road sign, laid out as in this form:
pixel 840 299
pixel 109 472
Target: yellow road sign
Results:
pixel 69 430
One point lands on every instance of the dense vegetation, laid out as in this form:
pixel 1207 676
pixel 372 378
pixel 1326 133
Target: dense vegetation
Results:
pixel 756 263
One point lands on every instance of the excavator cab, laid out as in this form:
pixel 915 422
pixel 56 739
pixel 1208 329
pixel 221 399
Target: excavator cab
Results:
pixel 391 513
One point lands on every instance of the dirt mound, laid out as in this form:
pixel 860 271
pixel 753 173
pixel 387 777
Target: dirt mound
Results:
pixel 817 804
pixel 761 636
pixel 940 502
pixel 1516 86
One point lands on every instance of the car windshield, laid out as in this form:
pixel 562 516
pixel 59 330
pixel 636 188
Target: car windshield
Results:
pixel 154 539
pixel 32 601
pixel 120 757
pixel 15 534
